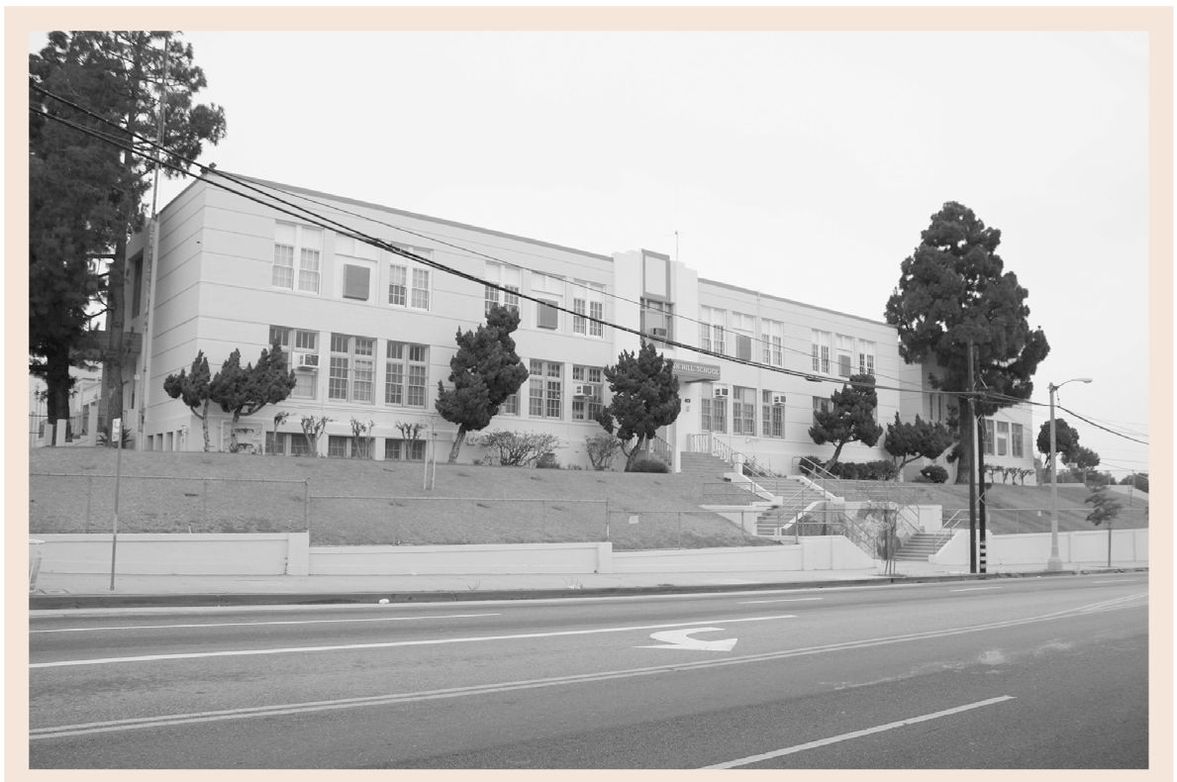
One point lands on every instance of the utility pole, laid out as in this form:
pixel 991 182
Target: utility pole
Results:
pixel 981 556
pixel 971 420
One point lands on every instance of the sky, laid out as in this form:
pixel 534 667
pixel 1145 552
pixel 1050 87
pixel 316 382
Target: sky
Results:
pixel 804 165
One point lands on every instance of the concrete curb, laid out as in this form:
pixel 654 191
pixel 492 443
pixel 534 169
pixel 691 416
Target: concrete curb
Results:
pixel 344 597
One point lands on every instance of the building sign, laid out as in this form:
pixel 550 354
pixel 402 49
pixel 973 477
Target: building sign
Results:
pixel 690 372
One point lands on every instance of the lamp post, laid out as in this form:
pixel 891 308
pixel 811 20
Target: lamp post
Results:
pixel 1055 562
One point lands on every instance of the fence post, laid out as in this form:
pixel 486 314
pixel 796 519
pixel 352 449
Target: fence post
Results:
pixel 204 502
pixel 606 521
pixel 306 504
pixel 89 499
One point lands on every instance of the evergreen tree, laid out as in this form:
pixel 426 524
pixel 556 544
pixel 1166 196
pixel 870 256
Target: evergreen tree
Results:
pixel 645 398
pixel 953 291
pixel 850 419
pixel 117 75
pixel 485 371
pixel 1066 441
pixel 244 391
pixel 921 439
pixel 192 387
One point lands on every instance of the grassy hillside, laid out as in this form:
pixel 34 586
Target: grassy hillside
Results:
pixel 368 502
pixel 1010 509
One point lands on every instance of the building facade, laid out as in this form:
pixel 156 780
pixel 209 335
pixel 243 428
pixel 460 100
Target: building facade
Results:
pixel 370 334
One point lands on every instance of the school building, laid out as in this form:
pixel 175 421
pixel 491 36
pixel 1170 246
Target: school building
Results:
pixel 370 334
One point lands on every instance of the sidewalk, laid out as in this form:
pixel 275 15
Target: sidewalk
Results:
pixel 89 590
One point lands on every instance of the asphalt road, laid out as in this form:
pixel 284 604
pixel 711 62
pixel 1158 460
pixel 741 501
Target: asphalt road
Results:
pixel 1011 673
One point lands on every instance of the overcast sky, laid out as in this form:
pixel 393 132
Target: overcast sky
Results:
pixel 804 165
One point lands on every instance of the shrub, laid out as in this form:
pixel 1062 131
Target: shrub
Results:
pixel 807 464
pixel 601 449
pixel 649 465
pixel 517 449
pixel 935 473
pixel 548 462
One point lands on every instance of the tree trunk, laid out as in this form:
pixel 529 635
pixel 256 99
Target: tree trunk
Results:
pixel 56 389
pixel 833 459
pixel 457 446
pixel 635 453
pixel 204 426
pixel 233 432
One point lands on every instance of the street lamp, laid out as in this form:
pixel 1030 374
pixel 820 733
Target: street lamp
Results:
pixel 1055 562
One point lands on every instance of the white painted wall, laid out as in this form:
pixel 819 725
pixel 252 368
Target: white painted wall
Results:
pixel 460 560
pixel 1086 547
pixel 257 554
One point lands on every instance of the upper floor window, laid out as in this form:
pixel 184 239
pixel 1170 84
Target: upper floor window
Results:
pixel 772 342
pixel 845 349
pixel 866 357
pixel 550 290
pixel 297 257
pixel 821 351
pixel 712 334
pixel 1017 448
pixel 743 328
pixel 509 277
pixel 408 286
pixel 657 318
pixel 588 299
pixel 1002 438
pixel 988 436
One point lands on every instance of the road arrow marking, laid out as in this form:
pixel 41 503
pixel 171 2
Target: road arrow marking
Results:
pixel 681 639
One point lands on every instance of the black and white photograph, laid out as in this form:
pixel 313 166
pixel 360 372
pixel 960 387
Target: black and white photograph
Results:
pixel 594 389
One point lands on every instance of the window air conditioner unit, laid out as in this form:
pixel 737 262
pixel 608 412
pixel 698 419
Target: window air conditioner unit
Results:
pixel 584 390
pixel 778 400
pixel 658 332
pixel 722 391
pixel 308 361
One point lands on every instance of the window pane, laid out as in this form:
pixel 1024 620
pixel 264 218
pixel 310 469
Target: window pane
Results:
pixel 355 282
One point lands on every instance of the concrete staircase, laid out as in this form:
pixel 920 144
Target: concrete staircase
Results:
pixel 704 467
pixel 923 545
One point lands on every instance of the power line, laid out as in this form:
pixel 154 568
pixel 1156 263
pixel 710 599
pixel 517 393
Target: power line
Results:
pixel 279 204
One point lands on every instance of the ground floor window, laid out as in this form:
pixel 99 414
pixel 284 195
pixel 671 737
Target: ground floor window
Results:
pixel 773 414
pixel 401 450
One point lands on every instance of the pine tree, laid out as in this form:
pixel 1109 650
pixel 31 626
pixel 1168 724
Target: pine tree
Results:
pixel 850 419
pixel 645 398
pixel 921 439
pixel 953 291
pixel 192 387
pixel 244 391
pixel 485 371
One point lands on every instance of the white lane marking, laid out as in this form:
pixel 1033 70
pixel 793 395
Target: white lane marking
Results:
pixel 1118 581
pixel 113 628
pixel 973 589
pixel 399 698
pixel 859 733
pixel 389 644
pixel 681 639
pixel 783 600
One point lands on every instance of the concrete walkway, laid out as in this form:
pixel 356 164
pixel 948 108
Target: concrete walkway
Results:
pixel 88 590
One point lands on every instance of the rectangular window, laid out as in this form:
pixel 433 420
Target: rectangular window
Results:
pixel 744 411
pixel 579 323
pixel 295 343
pixel 821 404
pixel 136 284
pixel 586 406
pixel 657 318
pixel 718 415
pixel 405 374
pixel 355 281
pixel 420 299
pixel 988 435
pixel 511 406
pixel 772 415
pixel 597 312
pixel 772 342
pixel 821 352
pixel 545 389
pixel 744 347
pixel 509 277
pixel 742 327
pixel 866 357
pixel 845 351
pixel 399 450
pixel 299 244
pixel 588 300
pixel 352 368
pixel 337 446
pixel 1002 438
pixel 399 291
pixel 1016 449
pixel 398 285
